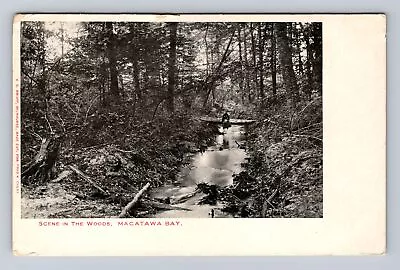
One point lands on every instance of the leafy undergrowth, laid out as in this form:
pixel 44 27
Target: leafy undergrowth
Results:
pixel 283 176
pixel 284 173
pixel 150 151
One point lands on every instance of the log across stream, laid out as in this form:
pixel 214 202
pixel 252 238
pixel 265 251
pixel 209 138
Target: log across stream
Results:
pixel 216 165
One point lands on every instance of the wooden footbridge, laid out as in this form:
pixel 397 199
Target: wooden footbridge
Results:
pixel 231 121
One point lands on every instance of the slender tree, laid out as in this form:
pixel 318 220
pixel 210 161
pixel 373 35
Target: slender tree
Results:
pixel 309 81
pixel 254 56
pixel 135 60
pixel 261 43
pixel 112 60
pixel 172 64
pixel 246 64
pixel 317 56
pixel 273 61
pixel 242 86
pixel 298 49
pixel 286 64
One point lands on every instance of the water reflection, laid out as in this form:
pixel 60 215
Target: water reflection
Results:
pixel 220 161
pixel 216 165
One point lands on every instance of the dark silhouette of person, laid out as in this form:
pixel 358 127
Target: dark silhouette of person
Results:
pixel 203 148
pixel 225 117
pixel 225 121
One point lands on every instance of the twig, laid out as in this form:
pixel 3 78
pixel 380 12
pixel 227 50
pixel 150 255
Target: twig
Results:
pixel 36 135
pixel 307 136
pixel 62 122
pixel 307 127
pixel 94 146
pixel 301 111
pixel 86 178
pixel 51 129
pixel 69 106
pixel 155 110
pixel 124 151
pixel 90 106
pixel 308 105
pixel 76 113
pixel 29 76
pixel 268 202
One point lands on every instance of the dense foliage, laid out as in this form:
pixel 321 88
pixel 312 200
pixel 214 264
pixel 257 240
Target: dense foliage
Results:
pixel 140 87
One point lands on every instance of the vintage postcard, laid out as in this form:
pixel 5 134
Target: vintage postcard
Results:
pixel 208 135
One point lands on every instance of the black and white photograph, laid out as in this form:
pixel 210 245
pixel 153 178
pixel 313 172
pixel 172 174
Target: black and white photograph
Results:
pixel 171 119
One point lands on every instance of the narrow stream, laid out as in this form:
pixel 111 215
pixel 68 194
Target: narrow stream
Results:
pixel 216 165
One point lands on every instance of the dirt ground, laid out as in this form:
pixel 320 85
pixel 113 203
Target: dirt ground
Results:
pixel 54 201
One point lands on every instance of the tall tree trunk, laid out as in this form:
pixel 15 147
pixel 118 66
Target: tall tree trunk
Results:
pixel 121 82
pixel 102 81
pixel 285 59
pixel 241 79
pixel 298 45
pixel 261 63
pixel 43 79
pixel 135 65
pixel 217 46
pixel 206 44
pixel 112 59
pixel 62 40
pixel 273 62
pixel 308 88
pixel 253 49
pixel 317 59
pixel 172 64
pixel 246 62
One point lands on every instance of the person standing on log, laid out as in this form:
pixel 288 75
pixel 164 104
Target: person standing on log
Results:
pixel 225 121
pixel 225 117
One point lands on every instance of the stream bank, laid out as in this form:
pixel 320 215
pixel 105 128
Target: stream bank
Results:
pixel 207 172
pixel 272 174
pixel 283 176
pixel 204 171
pixel 150 152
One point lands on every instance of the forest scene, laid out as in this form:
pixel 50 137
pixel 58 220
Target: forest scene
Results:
pixel 171 119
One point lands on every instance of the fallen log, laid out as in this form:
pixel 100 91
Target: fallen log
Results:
pixel 186 197
pixel 231 121
pixel 130 205
pixel 61 176
pixel 87 178
pixel 164 206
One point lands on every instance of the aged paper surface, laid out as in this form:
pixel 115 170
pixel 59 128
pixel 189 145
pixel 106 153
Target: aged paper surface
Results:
pixel 354 149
